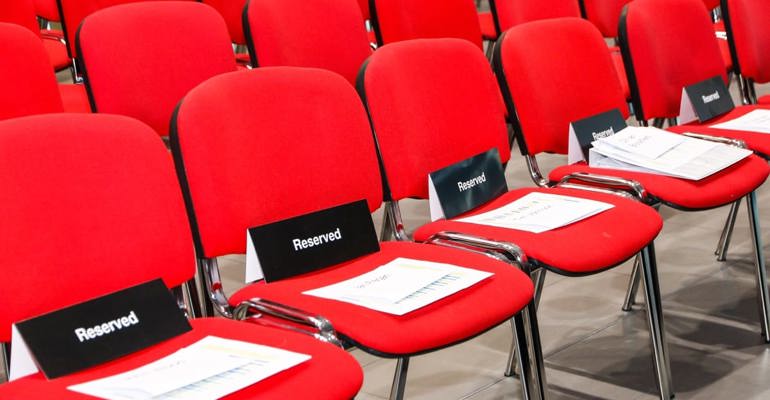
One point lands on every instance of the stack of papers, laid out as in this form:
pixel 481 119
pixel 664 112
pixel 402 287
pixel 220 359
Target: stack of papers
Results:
pixel 539 212
pixel 402 285
pixel 656 151
pixel 206 370
pixel 754 121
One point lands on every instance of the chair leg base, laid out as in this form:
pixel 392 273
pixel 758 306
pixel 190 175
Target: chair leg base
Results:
pixel 399 379
pixel 727 232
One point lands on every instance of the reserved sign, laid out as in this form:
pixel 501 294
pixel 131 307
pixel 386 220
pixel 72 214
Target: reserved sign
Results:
pixel 583 132
pixel 705 100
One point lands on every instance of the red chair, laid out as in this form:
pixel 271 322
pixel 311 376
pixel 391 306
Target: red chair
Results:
pixel 22 12
pixel 163 48
pixel 719 30
pixel 232 11
pixel 605 14
pixel 48 10
pixel 747 31
pixel 453 86
pixel 229 135
pixel 580 86
pixel 76 210
pixel 397 20
pixel 31 87
pixel 324 34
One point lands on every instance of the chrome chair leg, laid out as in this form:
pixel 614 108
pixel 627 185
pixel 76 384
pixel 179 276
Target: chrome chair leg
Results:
pixel 206 308
pixel 386 232
pixel 510 366
pixel 759 260
pixel 399 379
pixel 4 358
pixel 633 285
pixel 655 321
pixel 538 277
pixel 727 232
pixel 530 361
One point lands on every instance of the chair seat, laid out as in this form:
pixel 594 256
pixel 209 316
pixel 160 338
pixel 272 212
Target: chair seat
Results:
pixel 57 52
pixel 53 33
pixel 759 142
pixel 764 99
pixel 330 374
pixel 574 249
pixel 617 59
pixel 74 98
pixel 714 191
pixel 242 58
pixel 440 324
pixel 487 22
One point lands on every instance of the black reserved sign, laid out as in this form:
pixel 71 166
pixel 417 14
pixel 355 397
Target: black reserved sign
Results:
pixel 313 241
pixel 463 186
pixel 103 329
pixel 596 127
pixel 710 98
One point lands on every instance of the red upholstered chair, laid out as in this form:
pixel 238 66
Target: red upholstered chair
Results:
pixel 397 20
pixel 87 234
pixel 48 10
pixel 22 12
pixel 232 11
pixel 255 147
pixel 749 34
pixel 719 29
pixel 31 87
pixel 172 47
pixel 325 34
pixel 544 112
pixel 453 86
pixel 605 14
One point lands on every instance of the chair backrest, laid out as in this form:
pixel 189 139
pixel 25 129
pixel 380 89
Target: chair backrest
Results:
pixel 667 45
pixel 397 20
pixel 30 85
pixel 327 34
pixel 605 14
pixel 20 12
pixel 73 12
pixel 546 93
pixel 510 13
pixel 232 11
pixel 77 218
pixel 432 103
pixel 48 9
pixel 711 4
pixel 254 147
pixel 749 32
pixel 140 59
pixel 364 6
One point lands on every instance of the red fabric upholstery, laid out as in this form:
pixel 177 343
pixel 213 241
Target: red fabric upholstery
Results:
pixel 22 12
pixel 487 24
pixel 30 85
pixel 76 210
pixel 549 94
pixel 751 34
pixel 620 68
pixel 671 45
pixel 605 15
pixel 48 9
pixel 232 11
pixel 711 4
pixel 759 142
pixel 429 113
pixel 327 34
pixel 571 249
pixel 163 48
pixel 330 374
pixel 764 100
pixel 717 190
pixel 364 6
pixel 515 12
pixel 57 53
pixel 445 322
pixel 246 141
pixel 398 20
pixel 74 98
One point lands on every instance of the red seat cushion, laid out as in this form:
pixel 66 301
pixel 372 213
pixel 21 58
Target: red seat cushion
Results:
pixel 330 374
pixel 719 189
pixel 487 22
pixel 759 142
pixel 764 100
pixel 572 249
pixel 74 98
pixel 445 322
pixel 617 59
pixel 57 52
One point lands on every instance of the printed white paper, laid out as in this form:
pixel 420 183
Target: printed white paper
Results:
pixel 402 285
pixel 754 121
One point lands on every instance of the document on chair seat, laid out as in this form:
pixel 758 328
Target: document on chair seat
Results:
pixel 206 370
pixel 402 285
pixel 754 121
pixel 539 212
pixel 687 158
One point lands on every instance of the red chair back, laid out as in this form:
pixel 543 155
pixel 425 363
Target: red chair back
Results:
pixel 140 59
pixel 30 86
pixel 254 147
pixel 90 205
pixel 232 11
pixel 48 9
pixel 397 20
pixel 605 14
pixel 545 93
pixel 667 45
pixel 327 34
pixel 432 102
pixel 20 12
pixel 514 12
pixel 746 22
